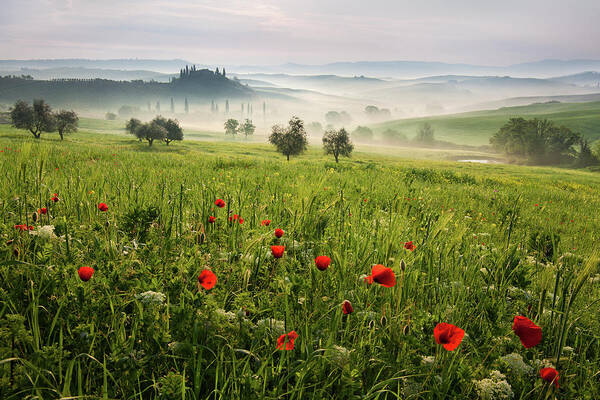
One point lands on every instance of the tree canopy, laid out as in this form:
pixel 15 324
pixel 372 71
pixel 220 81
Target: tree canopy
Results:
pixel 290 140
pixel 337 143
pixel 151 131
pixel 425 134
pixel 36 119
pixel 247 128
pixel 538 141
pixel 172 128
pixel 231 126
pixel 66 122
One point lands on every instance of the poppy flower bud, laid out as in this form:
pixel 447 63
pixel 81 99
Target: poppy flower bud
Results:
pixel 402 265
pixel 278 233
pixel 34 217
pixel 102 207
pixel 277 251
pixel 322 262
pixel 85 273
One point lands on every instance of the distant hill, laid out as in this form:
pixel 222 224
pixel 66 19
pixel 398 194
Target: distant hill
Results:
pixel 91 73
pixel 588 78
pixel 167 66
pixel 386 69
pixel 199 86
pixel 475 128
pixel 414 69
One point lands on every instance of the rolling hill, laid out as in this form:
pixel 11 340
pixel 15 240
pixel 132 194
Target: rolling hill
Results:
pixel 475 128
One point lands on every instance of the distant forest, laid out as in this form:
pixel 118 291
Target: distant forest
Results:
pixel 200 85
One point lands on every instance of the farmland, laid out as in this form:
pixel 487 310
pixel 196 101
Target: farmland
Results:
pixel 491 243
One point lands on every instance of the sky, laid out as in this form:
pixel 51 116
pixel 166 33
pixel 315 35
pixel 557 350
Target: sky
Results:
pixel 271 32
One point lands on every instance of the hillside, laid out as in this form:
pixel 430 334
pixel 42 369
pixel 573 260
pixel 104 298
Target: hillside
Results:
pixel 475 128
pixel 201 86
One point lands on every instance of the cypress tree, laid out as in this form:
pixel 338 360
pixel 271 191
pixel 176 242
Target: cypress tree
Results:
pixel 172 106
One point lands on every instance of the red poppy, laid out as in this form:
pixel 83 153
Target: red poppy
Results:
pixel 288 340
pixel 102 207
pixel 219 203
pixel 265 222
pixel 235 216
pixel 382 275
pixel 54 198
pixel 211 219
pixel 448 335
pixel 322 262
pixel 529 333
pixel 410 246
pixel 241 220
pixel 347 307
pixel 24 227
pixel 277 251
pixel 536 204
pixel 85 273
pixel 43 210
pixel 207 279
pixel 550 375
pixel 278 233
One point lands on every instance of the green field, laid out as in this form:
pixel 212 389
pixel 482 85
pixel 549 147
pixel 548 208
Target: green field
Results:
pixel 475 128
pixel 492 242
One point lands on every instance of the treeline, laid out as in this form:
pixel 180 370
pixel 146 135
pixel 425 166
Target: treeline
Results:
pixel 542 142
pixel 39 118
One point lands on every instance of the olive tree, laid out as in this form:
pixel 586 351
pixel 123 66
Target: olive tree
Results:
pixel 337 143
pixel 247 128
pixel 231 126
pixel 151 131
pixel 66 122
pixel 290 140
pixel 132 125
pixel 171 126
pixel 36 119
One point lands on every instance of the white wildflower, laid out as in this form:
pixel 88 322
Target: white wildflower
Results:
pixel 494 388
pixel 515 362
pixel 44 232
pixel 151 298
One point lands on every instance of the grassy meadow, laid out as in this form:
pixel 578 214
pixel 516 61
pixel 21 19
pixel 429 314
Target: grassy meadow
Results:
pixel 492 242
pixel 476 128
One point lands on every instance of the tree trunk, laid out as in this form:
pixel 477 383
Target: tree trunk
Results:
pixel 336 157
pixel 150 142
pixel 288 157
pixel 61 135
pixel 167 141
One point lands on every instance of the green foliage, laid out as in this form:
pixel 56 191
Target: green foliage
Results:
pixel 132 125
pixel 337 143
pixel 392 136
pixel 137 222
pixel 36 119
pixel 539 141
pixel 151 131
pixel 290 140
pixel 336 118
pixel 425 134
pixel 247 128
pixel 66 122
pixel 110 116
pixel 362 134
pixel 172 129
pixel 231 126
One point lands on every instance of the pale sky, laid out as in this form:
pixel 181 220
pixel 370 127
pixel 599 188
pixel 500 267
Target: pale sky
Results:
pixel 263 32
